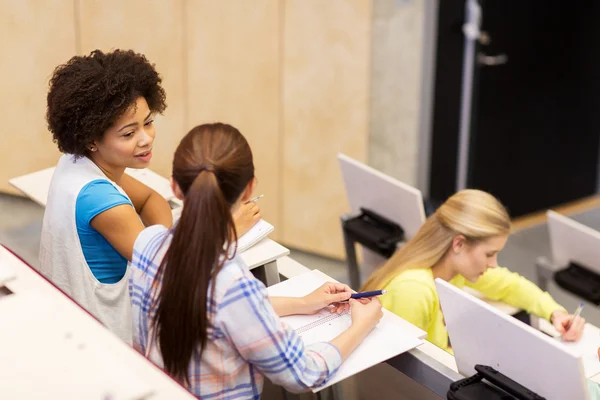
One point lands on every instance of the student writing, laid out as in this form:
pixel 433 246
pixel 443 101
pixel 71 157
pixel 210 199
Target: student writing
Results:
pixel 199 313
pixel 459 243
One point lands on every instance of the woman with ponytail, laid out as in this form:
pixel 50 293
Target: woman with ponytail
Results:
pixel 459 243
pixel 199 313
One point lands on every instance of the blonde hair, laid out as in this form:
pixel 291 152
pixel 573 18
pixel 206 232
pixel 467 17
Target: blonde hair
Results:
pixel 475 214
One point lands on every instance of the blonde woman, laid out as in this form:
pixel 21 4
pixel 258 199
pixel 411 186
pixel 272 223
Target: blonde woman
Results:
pixel 459 243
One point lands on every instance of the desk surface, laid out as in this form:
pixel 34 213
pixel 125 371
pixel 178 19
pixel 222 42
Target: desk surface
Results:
pixel 7 272
pixel 36 185
pixel 70 352
pixel 263 252
pixel 427 364
pixel 499 305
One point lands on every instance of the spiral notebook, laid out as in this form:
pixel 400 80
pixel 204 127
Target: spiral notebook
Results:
pixel 391 337
pixel 258 232
pixel 587 347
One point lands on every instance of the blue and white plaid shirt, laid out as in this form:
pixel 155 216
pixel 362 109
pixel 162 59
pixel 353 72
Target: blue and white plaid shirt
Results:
pixel 246 339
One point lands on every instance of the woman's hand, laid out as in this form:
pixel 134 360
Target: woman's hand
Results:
pixel 330 293
pixel 561 320
pixel 366 312
pixel 245 217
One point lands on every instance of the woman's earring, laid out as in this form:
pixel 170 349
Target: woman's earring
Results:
pixel 92 148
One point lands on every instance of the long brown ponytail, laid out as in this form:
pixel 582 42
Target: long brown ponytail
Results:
pixel 212 166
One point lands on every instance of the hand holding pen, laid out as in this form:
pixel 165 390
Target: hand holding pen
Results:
pixel 570 327
pixel 246 216
pixel 365 297
pixel 255 199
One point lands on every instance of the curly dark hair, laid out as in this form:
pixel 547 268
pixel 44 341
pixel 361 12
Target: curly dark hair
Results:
pixel 89 93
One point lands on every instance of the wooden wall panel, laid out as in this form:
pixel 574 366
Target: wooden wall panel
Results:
pixel 234 77
pixel 36 37
pixel 292 75
pixel 326 111
pixel 153 28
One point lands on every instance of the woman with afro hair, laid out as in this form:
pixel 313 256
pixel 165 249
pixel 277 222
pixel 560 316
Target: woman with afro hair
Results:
pixel 101 110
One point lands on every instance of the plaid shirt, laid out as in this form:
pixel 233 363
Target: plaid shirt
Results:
pixel 246 339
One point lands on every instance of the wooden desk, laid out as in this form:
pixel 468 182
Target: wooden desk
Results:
pixel 261 256
pixel 54 349
pixel 427 364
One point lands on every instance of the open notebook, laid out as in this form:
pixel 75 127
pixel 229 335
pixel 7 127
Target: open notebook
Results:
pixel 258 232
pixel 392 336
pixel 587 348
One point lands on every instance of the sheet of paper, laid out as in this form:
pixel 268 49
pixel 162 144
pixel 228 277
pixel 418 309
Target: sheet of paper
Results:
pixel 258 232
pixel 323 326
pixel 392 336
pixel 587 347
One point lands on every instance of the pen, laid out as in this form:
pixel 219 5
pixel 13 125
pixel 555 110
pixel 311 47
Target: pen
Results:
pixel 372 293
pixel 254 198
pixel 575 315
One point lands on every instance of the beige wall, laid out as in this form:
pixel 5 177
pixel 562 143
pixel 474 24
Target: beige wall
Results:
pixel 295 76
pixel 326 111
pixel 35 39
pixel 152 28
pixel 233 50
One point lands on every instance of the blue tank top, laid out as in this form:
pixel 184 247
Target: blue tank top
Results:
pixel 105 262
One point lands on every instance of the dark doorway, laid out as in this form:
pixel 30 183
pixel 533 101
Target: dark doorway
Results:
pixel 535 125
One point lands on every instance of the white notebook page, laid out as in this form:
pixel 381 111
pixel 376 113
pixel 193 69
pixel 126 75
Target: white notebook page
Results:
pixel 258 232
pixel 392 336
